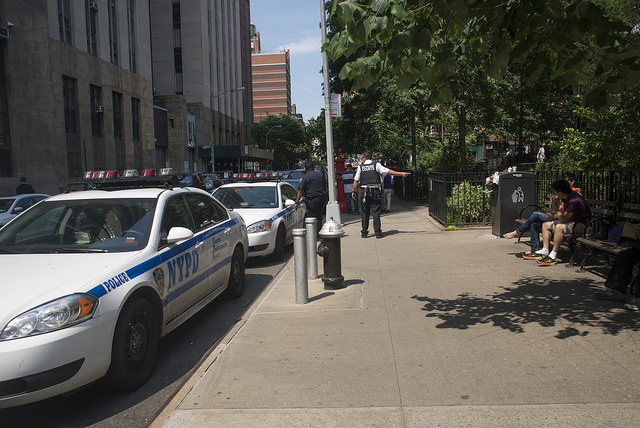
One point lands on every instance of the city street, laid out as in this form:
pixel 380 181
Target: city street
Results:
pixel 180 354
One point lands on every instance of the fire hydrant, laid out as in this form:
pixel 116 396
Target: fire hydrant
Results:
pixel 329 250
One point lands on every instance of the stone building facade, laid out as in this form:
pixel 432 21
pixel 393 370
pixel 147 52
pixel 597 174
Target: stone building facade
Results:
pixel 77 91
pixel 122 84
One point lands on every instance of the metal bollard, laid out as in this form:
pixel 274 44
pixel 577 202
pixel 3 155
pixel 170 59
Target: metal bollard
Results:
pixel 300 264
pixel 311 225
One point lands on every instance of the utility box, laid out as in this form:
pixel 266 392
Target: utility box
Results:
pixel 515 191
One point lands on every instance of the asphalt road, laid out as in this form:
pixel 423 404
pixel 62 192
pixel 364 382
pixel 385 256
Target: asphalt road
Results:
pixel 180 353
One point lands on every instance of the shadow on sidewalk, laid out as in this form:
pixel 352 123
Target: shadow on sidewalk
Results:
pixel 535 300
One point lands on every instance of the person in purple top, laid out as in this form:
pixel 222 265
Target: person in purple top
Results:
pixel 575 209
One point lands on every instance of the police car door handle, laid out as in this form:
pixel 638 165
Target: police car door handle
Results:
pixel 227 230
pixel 199 244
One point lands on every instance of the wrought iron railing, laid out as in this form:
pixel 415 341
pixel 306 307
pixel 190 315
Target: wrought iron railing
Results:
pixel 461 198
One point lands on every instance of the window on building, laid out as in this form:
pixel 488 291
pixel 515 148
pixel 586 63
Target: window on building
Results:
pixel 132 34
pixel 92 27
pixel 177 47
pixel 97 124
pixel 97 110
pixel 113 31
pixel 70 97
pixel 118 131
pixel 135 125
pixel 6 169
pixel 64 21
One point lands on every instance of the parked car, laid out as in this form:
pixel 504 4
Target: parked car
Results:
pixel 193 179
pixel 224 176
pixel 93 279
pixel 267 210
pixel 294 177
pixel 11 206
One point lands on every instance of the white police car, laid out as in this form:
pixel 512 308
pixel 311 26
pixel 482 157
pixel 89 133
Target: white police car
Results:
pixel 92 279
pixel 267 209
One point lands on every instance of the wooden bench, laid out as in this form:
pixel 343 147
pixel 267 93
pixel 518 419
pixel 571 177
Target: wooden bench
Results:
pixel 595 238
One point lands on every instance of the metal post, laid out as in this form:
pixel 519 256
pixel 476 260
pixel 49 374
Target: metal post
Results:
pixel 333 208
pixel 300 264
pixel 311 225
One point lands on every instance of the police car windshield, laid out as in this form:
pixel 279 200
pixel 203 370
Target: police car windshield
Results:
pixel 76 226
pixel 247 196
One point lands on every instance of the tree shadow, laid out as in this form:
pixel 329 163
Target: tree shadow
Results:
pixel 536 300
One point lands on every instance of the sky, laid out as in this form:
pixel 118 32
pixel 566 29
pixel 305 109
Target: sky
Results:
pixel 295 25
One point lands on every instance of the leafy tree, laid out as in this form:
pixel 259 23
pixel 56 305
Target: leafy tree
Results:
pixel 610 139
pixel 286 137
pixel 419 40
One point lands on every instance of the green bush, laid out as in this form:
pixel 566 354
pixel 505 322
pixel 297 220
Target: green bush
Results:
pixel 468 204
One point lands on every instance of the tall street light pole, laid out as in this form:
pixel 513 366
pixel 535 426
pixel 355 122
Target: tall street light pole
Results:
pixel 333 208
pixel 213 130
pixel 266 140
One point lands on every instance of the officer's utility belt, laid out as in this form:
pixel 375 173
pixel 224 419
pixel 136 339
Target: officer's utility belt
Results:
pixel 369 187
pixel 370 191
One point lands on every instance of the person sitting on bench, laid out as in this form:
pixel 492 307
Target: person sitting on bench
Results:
pixel 574 208
pixel 537 219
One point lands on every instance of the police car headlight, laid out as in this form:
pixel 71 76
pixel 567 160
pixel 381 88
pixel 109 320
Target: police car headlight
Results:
pixel 55 315
pixel 260 226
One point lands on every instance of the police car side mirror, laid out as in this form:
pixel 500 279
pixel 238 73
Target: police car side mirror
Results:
pixel 289 203
pixel 177 234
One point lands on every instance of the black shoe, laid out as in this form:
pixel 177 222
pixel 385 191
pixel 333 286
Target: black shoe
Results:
pixel 364 234
pixel 379 235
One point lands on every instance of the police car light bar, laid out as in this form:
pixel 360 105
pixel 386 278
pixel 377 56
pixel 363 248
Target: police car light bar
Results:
pixel 140 182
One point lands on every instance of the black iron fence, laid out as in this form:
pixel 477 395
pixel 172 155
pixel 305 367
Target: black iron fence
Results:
pixel 461 199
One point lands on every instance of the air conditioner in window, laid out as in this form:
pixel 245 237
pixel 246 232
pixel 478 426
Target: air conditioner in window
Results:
pixel 93 5
pixel 99 109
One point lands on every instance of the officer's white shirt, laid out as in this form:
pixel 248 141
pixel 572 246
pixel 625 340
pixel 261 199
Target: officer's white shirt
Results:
pixel 380 169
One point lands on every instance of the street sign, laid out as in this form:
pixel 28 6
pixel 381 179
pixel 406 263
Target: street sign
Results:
pixel 336 105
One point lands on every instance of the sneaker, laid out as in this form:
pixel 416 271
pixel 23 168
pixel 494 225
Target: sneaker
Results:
pixel 547 261
pixel 532 256
pixel 611 294
pixel 633 305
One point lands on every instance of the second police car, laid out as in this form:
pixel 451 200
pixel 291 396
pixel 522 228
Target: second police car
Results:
pixel 92 279
pixel 267 209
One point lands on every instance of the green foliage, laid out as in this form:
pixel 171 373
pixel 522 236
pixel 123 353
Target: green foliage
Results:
pixel 284 135
pixel 465 70
pixel 468 204
pixel 419 40
pixel 610 139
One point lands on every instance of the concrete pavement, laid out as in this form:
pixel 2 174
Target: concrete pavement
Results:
pixel 433 328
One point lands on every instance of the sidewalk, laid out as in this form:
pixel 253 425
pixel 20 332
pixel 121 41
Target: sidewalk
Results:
pixel 434 328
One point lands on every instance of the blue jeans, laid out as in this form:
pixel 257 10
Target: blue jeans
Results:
pixel 534 224
pixel 352 204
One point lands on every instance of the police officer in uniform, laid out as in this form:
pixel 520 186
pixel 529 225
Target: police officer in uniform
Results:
pixel 367 189
pixel 313 186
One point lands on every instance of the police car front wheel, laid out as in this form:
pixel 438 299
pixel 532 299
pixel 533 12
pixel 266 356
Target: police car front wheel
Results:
pixel 135 346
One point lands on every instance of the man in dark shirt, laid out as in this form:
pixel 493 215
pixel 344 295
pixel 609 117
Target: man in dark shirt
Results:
pixel 24 187
pixel 313 186
pixel 574 209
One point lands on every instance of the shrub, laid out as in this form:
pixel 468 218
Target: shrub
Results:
pixel 468 204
